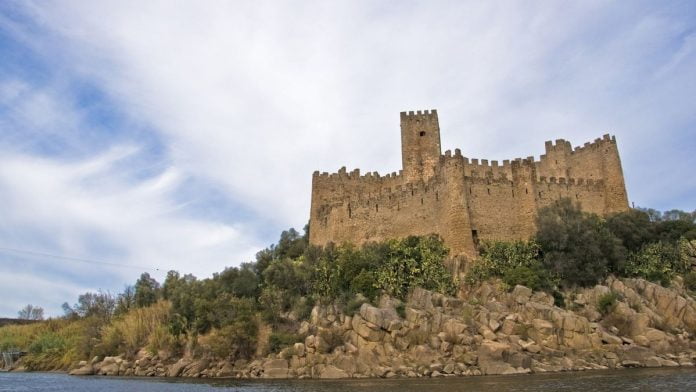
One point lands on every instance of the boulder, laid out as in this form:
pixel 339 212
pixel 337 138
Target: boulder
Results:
pixel 176 369
pixel 521 294
pixel 275 368
pixel 492 350
pixel 110 369
pixel 421 299
pixel 367 330
pixel 332 372
pixel 85 370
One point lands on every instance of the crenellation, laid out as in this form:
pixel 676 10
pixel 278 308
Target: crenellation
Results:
pixel 455 196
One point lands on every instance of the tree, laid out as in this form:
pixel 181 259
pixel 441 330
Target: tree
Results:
pixel 146 291
pixel 633 227
pixel 31 312
pixel 577 246
pixel 125 300
pixel 100 304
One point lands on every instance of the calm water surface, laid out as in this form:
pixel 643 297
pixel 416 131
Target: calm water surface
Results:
pixel 621 380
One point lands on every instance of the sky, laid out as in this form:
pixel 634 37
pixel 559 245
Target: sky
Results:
pixel 146 136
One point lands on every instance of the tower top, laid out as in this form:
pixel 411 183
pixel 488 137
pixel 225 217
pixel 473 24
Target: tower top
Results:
pixel 420 144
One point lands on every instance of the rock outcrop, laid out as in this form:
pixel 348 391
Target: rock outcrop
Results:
pixel 493 332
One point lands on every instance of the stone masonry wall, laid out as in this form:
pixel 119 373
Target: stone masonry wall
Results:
pixel 462 200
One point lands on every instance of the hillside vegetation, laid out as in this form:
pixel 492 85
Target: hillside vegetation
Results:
pixel 258 308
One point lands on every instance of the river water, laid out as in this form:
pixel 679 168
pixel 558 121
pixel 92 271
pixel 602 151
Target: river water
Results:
pixel 662 380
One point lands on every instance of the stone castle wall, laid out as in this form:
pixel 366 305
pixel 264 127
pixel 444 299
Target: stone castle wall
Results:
pixel 462 200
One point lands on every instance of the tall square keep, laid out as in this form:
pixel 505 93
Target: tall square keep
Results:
pixel 463 200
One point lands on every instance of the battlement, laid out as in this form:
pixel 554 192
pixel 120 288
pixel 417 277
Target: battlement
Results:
pixel 419 115
pixel 462 199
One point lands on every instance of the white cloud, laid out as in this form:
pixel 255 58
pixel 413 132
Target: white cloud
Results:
pixel 85 209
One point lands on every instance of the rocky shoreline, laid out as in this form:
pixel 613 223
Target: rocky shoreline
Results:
pixel 494 332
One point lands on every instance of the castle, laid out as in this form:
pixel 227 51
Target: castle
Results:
pixel 462 200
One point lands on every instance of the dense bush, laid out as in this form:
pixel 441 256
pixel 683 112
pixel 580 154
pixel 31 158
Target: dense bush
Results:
pixel 499 257
pixel 607 302
pixel 279 340
pixel 690 281
pixel 573 247
pixel 577 246
pixel 415 262
pixel 658 262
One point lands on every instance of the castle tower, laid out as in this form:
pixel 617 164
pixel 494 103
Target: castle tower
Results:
pixel 420 144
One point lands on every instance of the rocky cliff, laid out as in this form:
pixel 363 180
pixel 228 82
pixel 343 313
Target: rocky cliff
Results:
pixel 493 331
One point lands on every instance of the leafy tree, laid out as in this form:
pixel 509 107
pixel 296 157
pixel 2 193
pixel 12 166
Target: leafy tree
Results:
pixel 633 227
pixel 146 291
pixel 31 312
pixel 673 230
pixel 100 304
pixel 237 336
pixel 415 262
pixel 290 245
pixel 577 246
pixel 125 300
pixel 658 262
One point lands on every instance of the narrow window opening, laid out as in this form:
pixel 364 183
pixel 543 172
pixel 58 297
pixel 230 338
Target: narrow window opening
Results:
pixel 469 190
pixel 411 192
pixel 474 236
pixel 526 191
pixel 489 190
pixel 539 193
pixel 350 212
pixel 421 133
pixel 376 207
pixel 576 196
pixel 513 193
pixel 437 196
pixel 421 201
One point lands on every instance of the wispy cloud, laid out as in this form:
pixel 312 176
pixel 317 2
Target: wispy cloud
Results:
pixel 185 134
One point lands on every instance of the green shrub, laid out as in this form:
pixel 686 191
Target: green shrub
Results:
pixel 401 310
pixel 607 302
pixel 498 257
pixel 365 283
pixel 279 340
pixel 690 281
pixel 535 277
pixel 577 246
pixel 633 228
pixel 515 262
pixel 354 304
pixel 657 262
pixel 415 262
pixel 558 299
pixel 302 308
